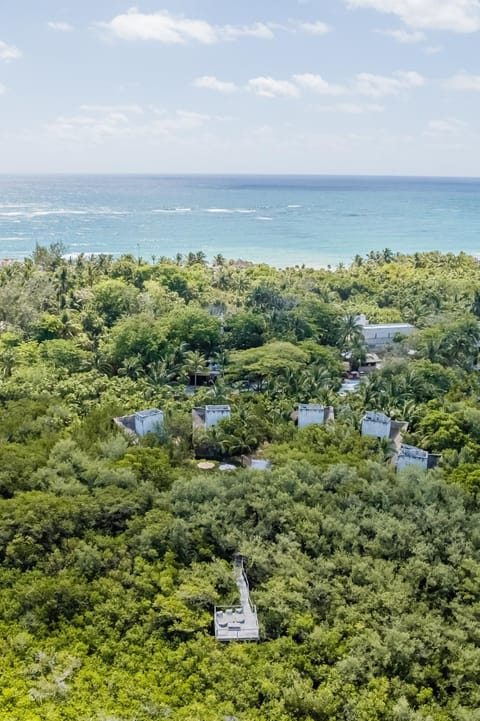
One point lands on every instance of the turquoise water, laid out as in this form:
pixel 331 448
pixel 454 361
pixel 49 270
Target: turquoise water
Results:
pixel 281 220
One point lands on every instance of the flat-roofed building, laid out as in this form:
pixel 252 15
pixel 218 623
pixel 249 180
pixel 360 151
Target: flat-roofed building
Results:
pixel 149 421
pixel 314 414
pixel 209 416
pixel 412 456
pixel 376 424
pixel 141 422
pixel 381 335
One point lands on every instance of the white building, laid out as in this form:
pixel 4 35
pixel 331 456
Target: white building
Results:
pixel 411 456
pixel 376 424
pixel 381 335
pixel 209 416
pixel 149 421
pixel 141 423
pixel 314 414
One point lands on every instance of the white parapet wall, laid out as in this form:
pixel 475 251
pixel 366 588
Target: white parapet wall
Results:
pixel 149 421
pixel 376 424
pixel 312 414
pixel 412 456
pixel 215 414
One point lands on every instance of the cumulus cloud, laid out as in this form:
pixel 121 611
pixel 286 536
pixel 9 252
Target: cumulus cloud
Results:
pixel 406 37
pixel 379 85
pixel 210 82
pixel 358 108
pixel 311 81
pixel 98 124
pixel 9 52
pixel 461 16
pixel 449 127
pixel 165 27
pixel 60 26
pixel 315 28
pixel 464 81
pixel 368 84
pixel 268 87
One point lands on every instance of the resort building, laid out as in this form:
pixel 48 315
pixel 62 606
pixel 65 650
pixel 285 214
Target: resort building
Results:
pixel 238 623
pixel 381 426
pixel 412 456
pixel 376 424
pixel 148 421
pixel 142 422
pixel 208 416
pixel 313 414
pixel 381 335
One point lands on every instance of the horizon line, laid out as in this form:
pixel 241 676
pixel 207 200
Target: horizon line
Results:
pixel 234 175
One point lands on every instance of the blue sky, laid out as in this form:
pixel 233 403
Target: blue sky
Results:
pixel 291 86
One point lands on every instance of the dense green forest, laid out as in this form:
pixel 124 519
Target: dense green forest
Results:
pixel 115 550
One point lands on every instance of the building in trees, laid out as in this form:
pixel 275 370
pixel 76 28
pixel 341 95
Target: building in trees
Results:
pixel 381 426
pixel 376 424
pixel 313 414
pixel 381 335
pixel 412 456
pixel 148 421
pixel 238 623
pixel 141 422
pixel 208 416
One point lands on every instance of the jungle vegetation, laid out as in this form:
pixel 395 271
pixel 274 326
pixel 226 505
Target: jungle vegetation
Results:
pixel 114 551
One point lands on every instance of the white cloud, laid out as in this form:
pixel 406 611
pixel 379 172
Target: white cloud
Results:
pixel 268 87
pixel 449 127
pixel 379 85
pixel 212 83
pixel 464 81
pixel 310 81
pixel 164 27
pixel 351 108
pixel 257 30
pixel 315 28
pixel 461 16
pixel 368 84
pixel 60 26
pixel 357 108
pixel 96 124
pixel 406 37
pixel 134 109
pixel 9 52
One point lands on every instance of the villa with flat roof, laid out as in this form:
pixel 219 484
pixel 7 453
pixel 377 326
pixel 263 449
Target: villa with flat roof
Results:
pixel 380 335
pixel 313 414
pixel 141 422
pixel 208 416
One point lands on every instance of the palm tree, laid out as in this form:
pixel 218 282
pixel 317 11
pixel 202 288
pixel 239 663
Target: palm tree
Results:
pixel 132 367
pixel 350 332
pixel 7 362
pixel 388 449
pixel 194 363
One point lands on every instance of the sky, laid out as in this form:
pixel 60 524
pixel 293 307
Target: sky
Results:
pixel 386 87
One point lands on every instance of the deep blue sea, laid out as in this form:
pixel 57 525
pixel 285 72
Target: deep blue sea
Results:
pixel 281 220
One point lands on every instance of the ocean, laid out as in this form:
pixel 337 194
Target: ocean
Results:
pixel 280 220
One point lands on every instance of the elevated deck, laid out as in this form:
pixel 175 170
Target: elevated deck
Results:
pixel 238 623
